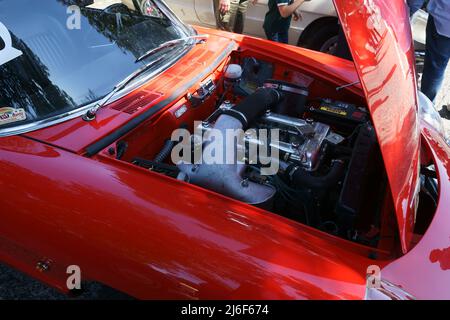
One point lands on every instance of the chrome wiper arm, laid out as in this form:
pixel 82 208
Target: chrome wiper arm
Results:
pixel 92 112
pixel 171 43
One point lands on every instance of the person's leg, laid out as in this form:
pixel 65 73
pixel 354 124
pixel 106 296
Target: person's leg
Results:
pixel 283 37
pixel 415 5
pixel 240 16
pixel 226 21
pixel 234 6
pixel 272 36
pixel 219 16
pixel 437 55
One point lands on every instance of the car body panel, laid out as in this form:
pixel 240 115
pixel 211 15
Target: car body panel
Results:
pixel 120 225
pixel 425 270
pixel 205 12
pixel 155 237
pixel 193 11
pixel 76 134
pixel 379 36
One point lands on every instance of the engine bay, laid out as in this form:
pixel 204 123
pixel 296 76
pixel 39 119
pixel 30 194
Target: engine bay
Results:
pixel 329 170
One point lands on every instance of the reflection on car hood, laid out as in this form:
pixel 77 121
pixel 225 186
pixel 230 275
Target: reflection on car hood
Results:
pixel 379 37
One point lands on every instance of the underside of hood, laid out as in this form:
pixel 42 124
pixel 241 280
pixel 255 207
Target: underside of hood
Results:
pixel 379 36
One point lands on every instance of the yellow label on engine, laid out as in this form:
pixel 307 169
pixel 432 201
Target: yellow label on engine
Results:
pixel 334 110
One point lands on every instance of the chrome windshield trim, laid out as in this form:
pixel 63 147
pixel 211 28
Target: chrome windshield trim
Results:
pixel 72 114
pixel 75 113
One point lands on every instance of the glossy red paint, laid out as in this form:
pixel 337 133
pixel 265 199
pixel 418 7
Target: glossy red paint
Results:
pixel 122 226
pixel 379 35
pixel 424 271
pixel 441 256
pixel 119 223
pixel 155 237
pixel 75 135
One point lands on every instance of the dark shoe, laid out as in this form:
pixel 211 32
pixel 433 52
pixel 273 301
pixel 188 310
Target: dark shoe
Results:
pixel 445 112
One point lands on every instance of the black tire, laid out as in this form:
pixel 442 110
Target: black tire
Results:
pixel 320 36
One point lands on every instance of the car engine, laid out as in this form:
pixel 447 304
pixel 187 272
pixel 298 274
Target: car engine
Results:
pixel 328 166
pixel 299 146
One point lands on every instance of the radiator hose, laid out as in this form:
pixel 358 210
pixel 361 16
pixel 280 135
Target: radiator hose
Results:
pixel 254 106
pixel 165 151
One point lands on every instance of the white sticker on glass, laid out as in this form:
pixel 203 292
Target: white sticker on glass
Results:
pixel 8 53
pixel 8 115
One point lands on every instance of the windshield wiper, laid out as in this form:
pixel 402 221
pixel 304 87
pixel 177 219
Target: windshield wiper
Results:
pixel 171 43
pixel 92 112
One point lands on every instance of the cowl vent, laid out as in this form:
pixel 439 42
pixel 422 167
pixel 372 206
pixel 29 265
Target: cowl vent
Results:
pixel 136 101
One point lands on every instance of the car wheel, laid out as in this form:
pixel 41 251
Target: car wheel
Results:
pixel 323 37
pixel 330 45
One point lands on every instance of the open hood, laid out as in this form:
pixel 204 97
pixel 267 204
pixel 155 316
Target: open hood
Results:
pixel 379 36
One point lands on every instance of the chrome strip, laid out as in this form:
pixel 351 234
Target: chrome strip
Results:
pixel 294 90
pixel 72 114
pixel 286 88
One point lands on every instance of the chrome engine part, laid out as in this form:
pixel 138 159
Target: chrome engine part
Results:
pixel 224 178
pixel 303 139
pixel 312 150
pixel 300 143
pixel 228 179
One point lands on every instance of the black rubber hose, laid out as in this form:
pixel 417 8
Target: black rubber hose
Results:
pixel 165 151
pixel 254 105
pixel 302 178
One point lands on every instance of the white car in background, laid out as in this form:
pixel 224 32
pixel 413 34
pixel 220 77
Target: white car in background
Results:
pixel 318 30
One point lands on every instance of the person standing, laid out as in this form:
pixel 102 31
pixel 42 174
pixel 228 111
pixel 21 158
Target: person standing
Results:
pixel 278 20
pixel 230 14
pixel 437 47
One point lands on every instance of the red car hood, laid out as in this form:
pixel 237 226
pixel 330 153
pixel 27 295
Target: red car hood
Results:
pixel 379 36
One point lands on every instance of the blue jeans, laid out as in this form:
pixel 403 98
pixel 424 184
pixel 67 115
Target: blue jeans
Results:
pixel 415 5
pixel 282 37
pixel 437 56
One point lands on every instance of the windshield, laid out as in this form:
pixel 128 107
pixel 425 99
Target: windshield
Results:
pixel 57 56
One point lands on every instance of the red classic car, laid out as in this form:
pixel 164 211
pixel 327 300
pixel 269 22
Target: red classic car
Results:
pixel 91 95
